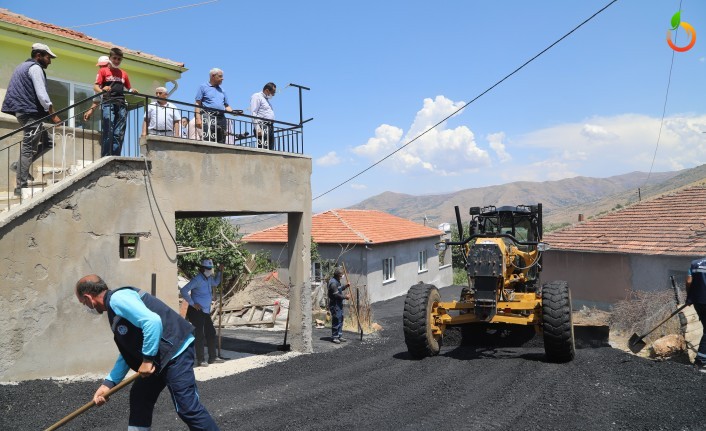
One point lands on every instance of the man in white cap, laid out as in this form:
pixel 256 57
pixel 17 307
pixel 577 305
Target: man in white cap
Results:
pixel 199 294
pixel 162 117
pixel 27 99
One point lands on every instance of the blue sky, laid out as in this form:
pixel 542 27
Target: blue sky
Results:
pixel 380 72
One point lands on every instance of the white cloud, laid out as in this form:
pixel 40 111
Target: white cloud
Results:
pixel 440 151
pixel 385 141
pixel 356 186
pixel 702 59
pixel 330 159
pixel 496 144
pixel 615 145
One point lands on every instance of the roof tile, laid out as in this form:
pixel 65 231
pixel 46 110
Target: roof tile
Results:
pixel 343 226
pixel 672 224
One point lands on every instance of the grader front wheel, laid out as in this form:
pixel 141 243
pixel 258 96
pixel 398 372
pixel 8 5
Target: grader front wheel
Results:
pixel 557 323
pixel 417 321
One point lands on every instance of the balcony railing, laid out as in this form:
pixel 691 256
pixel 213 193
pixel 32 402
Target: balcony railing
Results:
pixel 60 150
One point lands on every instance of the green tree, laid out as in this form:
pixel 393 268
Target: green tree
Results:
pixel 207 234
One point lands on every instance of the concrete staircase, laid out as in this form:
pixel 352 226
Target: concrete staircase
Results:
pixel 45 177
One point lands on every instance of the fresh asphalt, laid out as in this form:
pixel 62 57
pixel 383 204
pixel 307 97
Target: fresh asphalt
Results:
pixel 374 384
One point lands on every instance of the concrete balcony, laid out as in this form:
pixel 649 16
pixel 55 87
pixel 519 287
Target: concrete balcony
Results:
pixel 75 228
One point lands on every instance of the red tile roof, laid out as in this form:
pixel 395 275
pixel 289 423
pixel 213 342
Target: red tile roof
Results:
pixel 21 20
pixel 343 226
pixel 674 224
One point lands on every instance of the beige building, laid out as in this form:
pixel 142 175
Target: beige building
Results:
pixel 635 248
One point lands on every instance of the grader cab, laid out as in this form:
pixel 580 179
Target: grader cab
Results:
pixel 503 260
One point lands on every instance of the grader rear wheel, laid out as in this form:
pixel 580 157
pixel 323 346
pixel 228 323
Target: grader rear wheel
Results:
pixel 417 321
pixel 557 323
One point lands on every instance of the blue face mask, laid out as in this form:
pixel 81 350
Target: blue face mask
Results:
pixel 208 272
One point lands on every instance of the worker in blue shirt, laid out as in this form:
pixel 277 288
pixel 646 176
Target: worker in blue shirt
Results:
pixel 199 294
pixel 154 341
pixel 335 303
pixel 696 295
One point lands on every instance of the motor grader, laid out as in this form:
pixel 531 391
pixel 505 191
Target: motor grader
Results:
pixel 503 260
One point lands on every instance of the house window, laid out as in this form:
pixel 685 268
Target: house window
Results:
pixel 316 271
pixel 66 93
pixel 422 261
pixel 388 269
pixel 128 246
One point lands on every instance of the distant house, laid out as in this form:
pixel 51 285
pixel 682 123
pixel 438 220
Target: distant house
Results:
pixel 636 248
pixel 386 253
pixel 70 77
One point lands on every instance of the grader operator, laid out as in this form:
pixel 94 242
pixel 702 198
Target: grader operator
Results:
pixel 503 260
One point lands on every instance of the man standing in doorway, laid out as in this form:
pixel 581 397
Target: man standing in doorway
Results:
pixel 27 99
pixel 114 81
pixel 261 107
pixel 335 303
pixel 199 294
pixel 214 101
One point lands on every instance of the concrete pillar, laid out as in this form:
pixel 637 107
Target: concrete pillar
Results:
pixel 299 241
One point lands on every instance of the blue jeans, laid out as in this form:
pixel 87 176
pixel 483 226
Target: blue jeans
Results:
pixel 336 321
pixel 114 122
pixel 178 377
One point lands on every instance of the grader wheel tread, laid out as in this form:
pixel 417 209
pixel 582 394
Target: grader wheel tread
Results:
pixel 420 341
pixel 557 323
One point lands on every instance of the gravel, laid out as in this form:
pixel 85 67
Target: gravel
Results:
pixel 374 384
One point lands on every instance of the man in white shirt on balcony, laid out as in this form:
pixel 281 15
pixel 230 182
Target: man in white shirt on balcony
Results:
pixel 260 107
pixel 162 117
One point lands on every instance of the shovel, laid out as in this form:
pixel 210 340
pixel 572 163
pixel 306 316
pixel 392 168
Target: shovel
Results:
pixel 90 404
pixel 636 344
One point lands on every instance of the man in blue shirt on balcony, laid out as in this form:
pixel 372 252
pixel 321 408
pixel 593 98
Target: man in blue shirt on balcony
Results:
pixel 154 341
pixel 199 294
pixel 213 100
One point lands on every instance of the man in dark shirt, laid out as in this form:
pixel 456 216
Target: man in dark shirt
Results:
pixel 27 99
pixel 335 303
pixel 696 295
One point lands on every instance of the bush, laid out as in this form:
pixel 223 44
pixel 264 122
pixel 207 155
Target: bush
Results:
pixel 642 311
pixel 460 277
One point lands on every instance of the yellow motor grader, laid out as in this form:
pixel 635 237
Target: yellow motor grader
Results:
pixel 503 259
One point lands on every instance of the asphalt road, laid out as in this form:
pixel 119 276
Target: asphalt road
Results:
pixel 374 384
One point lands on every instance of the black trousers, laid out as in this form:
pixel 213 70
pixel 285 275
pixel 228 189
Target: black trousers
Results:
pixel 204 330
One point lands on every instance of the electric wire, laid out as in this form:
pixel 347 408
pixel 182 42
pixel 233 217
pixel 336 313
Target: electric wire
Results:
pixel 664 107
pixel 144 14
pixel 472 100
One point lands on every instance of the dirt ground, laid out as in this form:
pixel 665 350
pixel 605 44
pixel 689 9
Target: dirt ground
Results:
pixel 375 384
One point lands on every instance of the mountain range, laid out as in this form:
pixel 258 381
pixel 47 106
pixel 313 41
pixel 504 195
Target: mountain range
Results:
pixel 562 200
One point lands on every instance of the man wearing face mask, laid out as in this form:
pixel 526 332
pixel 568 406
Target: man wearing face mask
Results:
pixel 199 294
pixel 154 341
pixel 260 107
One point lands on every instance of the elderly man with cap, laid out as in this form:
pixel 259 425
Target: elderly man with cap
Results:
pixel 199 294
pixel 162 117
pixel 27 99
pixel 335 303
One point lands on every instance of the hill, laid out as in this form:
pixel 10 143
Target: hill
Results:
pixel 563 200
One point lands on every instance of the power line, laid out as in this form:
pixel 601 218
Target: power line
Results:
pixel 464 106
pixel 664 109
pixel 144 14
